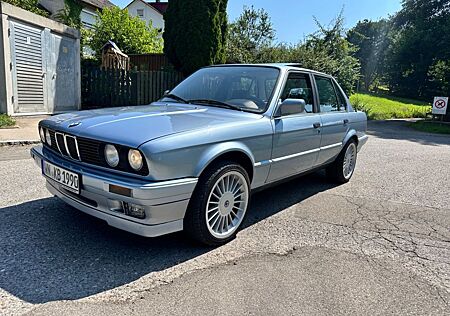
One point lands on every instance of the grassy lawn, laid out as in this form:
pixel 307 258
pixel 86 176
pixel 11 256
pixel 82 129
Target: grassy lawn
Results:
pixel 431 127
pixel 6 121
pixel 387 107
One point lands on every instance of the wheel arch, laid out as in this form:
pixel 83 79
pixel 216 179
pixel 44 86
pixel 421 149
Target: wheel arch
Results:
pixel 234 151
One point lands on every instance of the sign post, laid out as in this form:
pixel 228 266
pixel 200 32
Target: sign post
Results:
pixel 440 105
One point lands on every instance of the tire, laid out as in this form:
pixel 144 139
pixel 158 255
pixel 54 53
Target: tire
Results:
pixel 216 225
pixel 337 171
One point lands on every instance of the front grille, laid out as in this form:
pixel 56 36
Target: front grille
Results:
pixel 90 151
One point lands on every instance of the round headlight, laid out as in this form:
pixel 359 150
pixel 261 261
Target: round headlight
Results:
pixel 42 134
pixel 111 155
pixel 48 139
pixel 135 159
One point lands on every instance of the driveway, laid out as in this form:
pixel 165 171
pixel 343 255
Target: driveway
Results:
pixel 377 245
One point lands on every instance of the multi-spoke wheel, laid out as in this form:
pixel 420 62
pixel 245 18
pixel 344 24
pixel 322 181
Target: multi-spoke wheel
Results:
pixel 341 170
pixel 219 204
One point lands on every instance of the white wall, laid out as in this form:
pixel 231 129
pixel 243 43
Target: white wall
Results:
pixel 150 14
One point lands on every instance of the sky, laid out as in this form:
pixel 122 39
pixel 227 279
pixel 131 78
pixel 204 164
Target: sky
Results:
pixel 293 19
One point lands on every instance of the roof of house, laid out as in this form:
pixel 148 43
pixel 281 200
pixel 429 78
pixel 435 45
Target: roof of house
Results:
pixel 98 3
pixel 160 6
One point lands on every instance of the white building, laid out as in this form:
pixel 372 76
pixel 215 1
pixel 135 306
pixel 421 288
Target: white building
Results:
pixel 88 13
pixel 149 12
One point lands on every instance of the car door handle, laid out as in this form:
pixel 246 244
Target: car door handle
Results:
pixel 345 121
pixel 316 125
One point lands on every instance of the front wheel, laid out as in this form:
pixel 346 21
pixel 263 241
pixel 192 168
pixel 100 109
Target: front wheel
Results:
pixel 218 204
pixel 342 169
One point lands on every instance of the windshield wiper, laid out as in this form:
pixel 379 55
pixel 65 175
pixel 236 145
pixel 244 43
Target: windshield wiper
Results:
pixel 216 103
pixel 175 97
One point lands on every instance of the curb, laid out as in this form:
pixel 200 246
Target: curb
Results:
pixel 18 142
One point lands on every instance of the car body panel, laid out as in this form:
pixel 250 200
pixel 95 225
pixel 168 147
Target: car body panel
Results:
pixel 179 141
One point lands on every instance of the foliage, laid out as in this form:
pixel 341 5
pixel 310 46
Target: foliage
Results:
pixel 195 33
pixel 431 127
pixel 70 15
pixel 385 107
pixel 328 51
pixel 372 38
pixel 29 5
pixel 131 34
pixel 6 121
pixel 250 37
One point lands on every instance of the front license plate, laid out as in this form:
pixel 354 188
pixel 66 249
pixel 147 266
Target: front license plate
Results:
pixel 70 180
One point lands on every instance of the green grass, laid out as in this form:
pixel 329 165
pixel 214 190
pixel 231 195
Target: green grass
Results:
pixel 431 127
pixel 6 121
pixel 382 107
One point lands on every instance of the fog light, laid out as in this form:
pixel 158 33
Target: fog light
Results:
pixel 133 210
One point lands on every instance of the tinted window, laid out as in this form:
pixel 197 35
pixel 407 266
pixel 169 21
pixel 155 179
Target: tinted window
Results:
pixel 327 95
pixel 298 86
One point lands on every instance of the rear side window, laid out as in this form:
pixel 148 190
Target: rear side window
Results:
pixel 329 101
pixel 341 98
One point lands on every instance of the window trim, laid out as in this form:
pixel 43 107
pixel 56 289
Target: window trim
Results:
pixel 334 89
pixel 285 79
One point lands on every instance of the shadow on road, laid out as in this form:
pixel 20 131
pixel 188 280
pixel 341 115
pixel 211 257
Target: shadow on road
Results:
pixel 50 251
pixel 399 130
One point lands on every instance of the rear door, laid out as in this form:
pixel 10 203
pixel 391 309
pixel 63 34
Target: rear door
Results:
pixel 296 139
pixel 334 117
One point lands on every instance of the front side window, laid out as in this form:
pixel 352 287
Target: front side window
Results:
pixel 298 86
pixel 327 95
pixel 245 87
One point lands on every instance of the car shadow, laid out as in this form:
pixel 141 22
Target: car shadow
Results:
pixel 399 130
pixel 50 251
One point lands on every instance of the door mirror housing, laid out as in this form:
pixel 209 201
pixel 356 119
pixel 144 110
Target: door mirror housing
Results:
pixel 291 107
pixel 166 92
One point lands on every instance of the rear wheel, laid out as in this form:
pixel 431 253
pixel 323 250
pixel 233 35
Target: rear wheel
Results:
pixel 219 204
pixel 343 167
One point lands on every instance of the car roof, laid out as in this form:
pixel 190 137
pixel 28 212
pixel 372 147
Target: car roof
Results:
pixel 284 66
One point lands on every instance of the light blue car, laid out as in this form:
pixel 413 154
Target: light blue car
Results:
pixel 191 160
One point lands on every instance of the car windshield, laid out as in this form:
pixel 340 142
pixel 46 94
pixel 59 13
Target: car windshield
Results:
pixel 246 88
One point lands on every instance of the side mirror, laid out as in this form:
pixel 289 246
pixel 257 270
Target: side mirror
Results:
pixel 166 92
pixel 290 107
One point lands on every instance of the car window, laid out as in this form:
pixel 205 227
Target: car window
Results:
pixel 341 99
pixel 298 86
pixel 327 95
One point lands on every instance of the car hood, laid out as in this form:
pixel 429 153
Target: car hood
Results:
pixel 133 126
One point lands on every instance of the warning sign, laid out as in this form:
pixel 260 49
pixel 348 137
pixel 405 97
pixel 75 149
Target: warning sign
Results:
pixel 440 105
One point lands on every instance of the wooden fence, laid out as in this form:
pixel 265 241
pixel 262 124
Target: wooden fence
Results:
pixel 116 87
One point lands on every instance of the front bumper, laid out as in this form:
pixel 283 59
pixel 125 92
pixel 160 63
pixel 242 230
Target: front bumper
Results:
pixel 165 202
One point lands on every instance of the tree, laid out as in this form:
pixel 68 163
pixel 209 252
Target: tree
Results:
pixel 29 5
pixel 131 34
pixel 250 37
pixel 371 38
pixel 195 33
pixel 328 51
pixel 420 52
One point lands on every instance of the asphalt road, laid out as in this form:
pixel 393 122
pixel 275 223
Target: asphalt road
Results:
pixel 377 245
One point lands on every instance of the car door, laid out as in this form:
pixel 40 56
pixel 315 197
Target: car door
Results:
pixel 334 117
pixel 296 139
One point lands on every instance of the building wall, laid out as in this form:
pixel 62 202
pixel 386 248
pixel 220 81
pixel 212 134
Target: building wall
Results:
pixel 2 72
pixel 150 14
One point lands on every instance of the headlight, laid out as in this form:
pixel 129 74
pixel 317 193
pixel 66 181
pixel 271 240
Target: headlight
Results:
pixel 42 134
pixel 48 139
pixel 135 159
pixel 111 155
